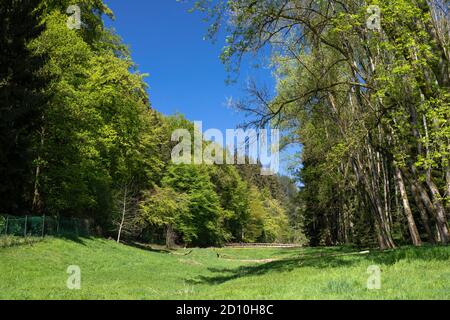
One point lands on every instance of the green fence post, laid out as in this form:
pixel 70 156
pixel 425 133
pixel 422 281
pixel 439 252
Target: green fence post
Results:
pixel 25 231
pixel 43 225
pixel 6 226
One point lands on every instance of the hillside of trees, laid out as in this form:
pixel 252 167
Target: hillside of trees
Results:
pixel 370 107
pixel 369 104
pixel 79 138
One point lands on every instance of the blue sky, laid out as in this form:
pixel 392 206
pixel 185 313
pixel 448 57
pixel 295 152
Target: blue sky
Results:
pixel 186 74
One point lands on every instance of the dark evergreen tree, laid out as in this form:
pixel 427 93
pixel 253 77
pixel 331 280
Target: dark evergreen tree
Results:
pixel 22 100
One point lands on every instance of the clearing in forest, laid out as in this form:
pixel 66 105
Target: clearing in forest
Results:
pixel 112 271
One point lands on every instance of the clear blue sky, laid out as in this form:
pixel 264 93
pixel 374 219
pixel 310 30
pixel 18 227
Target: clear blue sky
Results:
pixel 186 74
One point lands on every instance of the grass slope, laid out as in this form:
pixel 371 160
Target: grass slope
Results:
pixel 111 271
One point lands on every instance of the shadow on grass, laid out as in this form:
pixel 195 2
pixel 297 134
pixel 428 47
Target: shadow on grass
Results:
pixel 425 253
pixel 147 247
pixel 326 258
pixel 74 238
pixel 226 274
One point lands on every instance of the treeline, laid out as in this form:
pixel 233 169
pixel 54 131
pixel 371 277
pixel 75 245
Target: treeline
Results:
pixel 371 107
pixel 79 139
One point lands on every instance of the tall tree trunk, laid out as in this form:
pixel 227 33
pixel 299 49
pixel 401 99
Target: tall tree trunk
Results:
pixel 415 237
pixel 169 236
pixel 37 200
pixel 124 210
pixel 431 208
pixel 447 178
pixel 384 235
pixel 423 213
pixel 441 217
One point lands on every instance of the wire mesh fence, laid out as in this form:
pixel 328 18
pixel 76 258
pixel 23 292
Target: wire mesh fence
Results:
pixel 40 226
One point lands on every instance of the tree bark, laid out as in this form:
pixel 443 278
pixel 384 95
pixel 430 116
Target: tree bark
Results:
pixel 415 237
pixel 383 231
pixel 36 207
pixel 447 178
pixel 423 213
pixel 441 217
pixel 124 210
pixel 169 236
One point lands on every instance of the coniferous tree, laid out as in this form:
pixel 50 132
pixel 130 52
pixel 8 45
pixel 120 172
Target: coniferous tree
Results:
pixel 22 101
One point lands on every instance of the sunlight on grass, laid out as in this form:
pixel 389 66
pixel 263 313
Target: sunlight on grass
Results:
pixel 111 271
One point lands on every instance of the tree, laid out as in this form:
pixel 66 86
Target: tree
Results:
pixel 22 100
pixel 204 204
pixel 98 132
pixel 165 207
pixel 126 218
pixel 370 107
pixel 234 197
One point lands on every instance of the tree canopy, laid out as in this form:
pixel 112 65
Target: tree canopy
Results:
pixel 370 107
pixel 79 138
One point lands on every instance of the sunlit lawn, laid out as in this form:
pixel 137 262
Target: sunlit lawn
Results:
pixel 112 271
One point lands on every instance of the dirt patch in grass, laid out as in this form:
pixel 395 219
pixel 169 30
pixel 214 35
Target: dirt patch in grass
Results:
pixel 191 262
pixel 253 261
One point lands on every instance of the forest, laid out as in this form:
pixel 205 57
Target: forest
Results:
pixel 370 107
pixel 364 88
pixel 79 138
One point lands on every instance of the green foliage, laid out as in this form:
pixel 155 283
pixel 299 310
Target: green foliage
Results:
pixel 234 198
pixel 22 100
pixel 363 103
pixel 204 203
pixel 99 131
pixel 268 221
pixel 91 131
pixel 164 207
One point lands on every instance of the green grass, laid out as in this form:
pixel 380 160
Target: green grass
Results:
pixel 111 271
pixel 11 241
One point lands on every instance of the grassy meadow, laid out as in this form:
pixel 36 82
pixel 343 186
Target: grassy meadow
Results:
pixel 38 270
